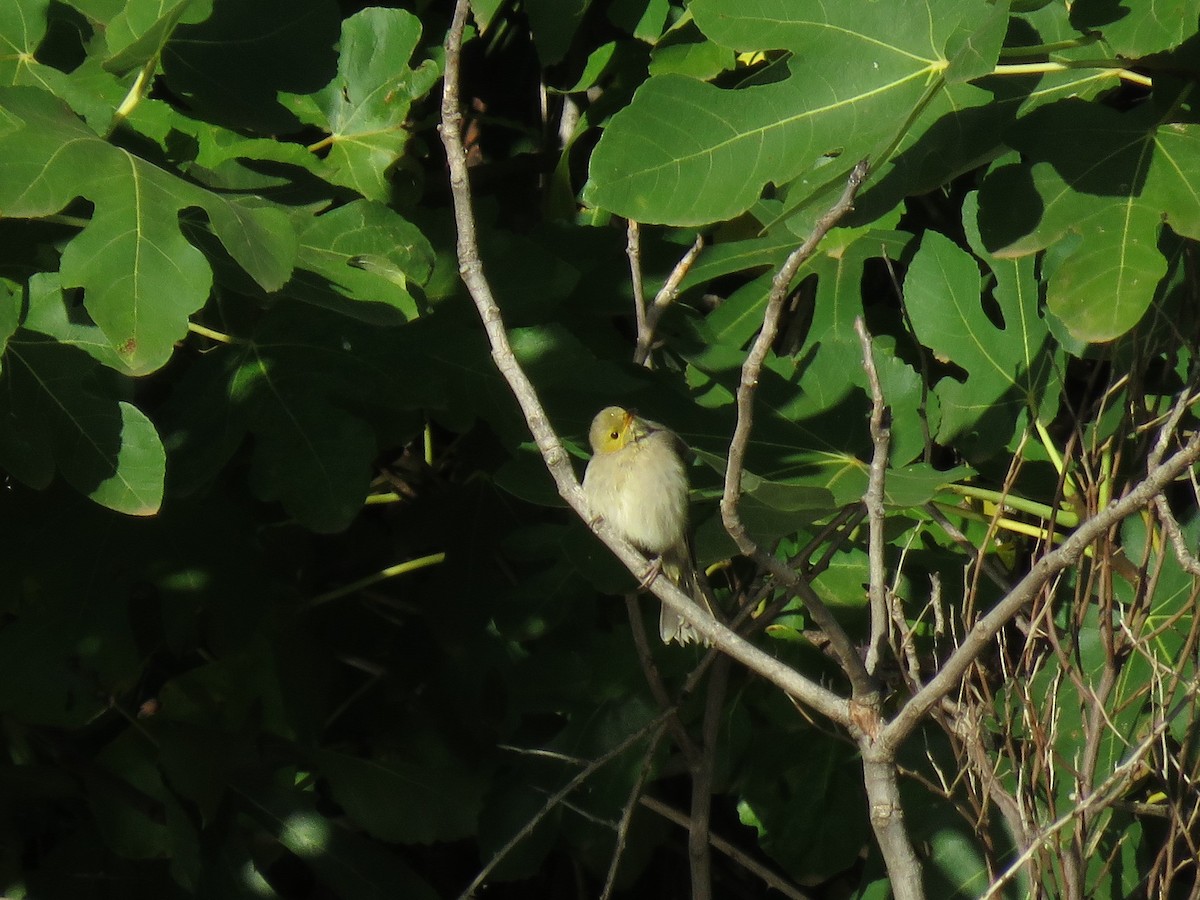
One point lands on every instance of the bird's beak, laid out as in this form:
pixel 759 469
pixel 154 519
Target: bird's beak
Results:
pixel 633 426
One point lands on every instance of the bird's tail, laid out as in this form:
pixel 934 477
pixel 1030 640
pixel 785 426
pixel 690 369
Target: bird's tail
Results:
pixel 678 566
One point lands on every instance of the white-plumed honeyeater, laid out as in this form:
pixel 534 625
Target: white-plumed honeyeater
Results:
pixel 637 482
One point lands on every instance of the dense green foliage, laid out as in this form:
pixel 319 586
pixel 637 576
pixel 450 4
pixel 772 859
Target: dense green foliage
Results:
pixel 290 606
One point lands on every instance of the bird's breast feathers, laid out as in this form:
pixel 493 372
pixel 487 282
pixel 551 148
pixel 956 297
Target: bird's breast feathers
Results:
pixel 641 490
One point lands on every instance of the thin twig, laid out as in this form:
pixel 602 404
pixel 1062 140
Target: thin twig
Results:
pixel 769 878
pixel 682 739
pixel 702 781
pixel 831 537
pixel 557 461
pixel 663 299
pixel 880 774
pixel 654 726
pixel 873 499
pixel 1187 560
pixel 633 250
pixel 635 794
pixel 412 565
pixel 978 557
pixel 1111 787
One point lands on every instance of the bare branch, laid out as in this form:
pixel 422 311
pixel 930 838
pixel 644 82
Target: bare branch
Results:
pixel 633 250
pixel 551 448
pixel 880 437
pixel 888 822
pixel 880 775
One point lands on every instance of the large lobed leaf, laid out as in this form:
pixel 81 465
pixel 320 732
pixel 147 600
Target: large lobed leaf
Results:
pixel 1106 182
pixel 365 107
pixel 141 277
pixel 1005 361
pixel 687 152
pixel 71 420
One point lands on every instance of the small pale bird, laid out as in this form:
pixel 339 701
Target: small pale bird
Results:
pixel 637 482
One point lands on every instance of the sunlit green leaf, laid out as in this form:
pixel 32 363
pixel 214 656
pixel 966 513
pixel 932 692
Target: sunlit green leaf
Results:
pixel 1137 29
pixel 1003 360
pixel 22 28
pixel 1111 179
pixel 680 134
pixel 139 32
pixel 141 277
pixel 363 252
pixel 366 105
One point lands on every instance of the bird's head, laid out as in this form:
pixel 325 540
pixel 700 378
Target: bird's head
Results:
pixel 612 429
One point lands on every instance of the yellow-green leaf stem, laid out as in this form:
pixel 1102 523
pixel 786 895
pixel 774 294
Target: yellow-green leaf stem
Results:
pixel 1064 517
pixel 1013 525
pixel 1042 68
pixel 218 336
pixel 136 91
pixel 382 499
pixel 1069 487
pixel 1106 466
pixel 1048 48
pixel 412 565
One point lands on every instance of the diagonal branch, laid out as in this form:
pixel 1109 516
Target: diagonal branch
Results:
pixel 1169 523
pixel 557 461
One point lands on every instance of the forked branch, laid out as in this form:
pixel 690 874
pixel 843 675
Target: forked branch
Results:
pixel 788 579
pixel 557 461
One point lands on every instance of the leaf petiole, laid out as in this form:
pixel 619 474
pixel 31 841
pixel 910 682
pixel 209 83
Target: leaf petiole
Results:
pixel 1012 525
pixel 412 565
pixel 1041 68
pixel 134 96
pixel 1048 48
pixel 1065 517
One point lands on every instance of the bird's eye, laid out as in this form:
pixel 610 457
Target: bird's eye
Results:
pixel 613 435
